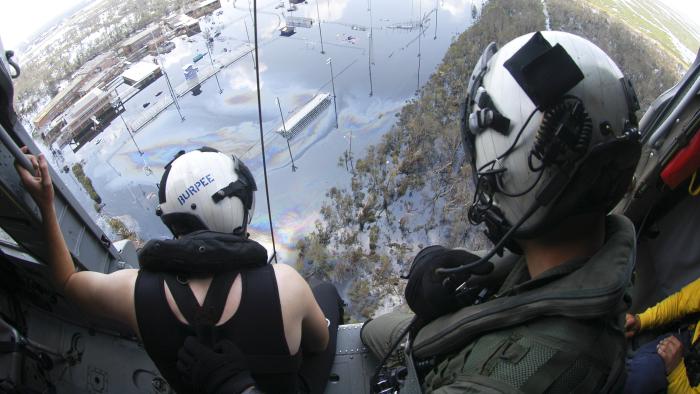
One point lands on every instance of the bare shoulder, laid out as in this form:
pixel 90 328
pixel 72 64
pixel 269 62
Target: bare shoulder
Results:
pixel 292 286
pixel 128 274
pixel 288 278
pixel 102 283
pixel 110 295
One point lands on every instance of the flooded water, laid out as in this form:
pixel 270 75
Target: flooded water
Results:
pixel 292 69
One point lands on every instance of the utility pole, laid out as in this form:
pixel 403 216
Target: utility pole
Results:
pixel 119 103
pixel 329 61
pixel 252 55
pixel 167 80
pixel 172 93
pixel 216 73
pixel 318 15
pixel 369 51
pixel 287 136
pixel 352 166
pixel 128 130
pixel 436 12
pixel 420 33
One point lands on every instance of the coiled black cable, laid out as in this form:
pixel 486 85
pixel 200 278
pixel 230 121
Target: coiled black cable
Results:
pixel 565 128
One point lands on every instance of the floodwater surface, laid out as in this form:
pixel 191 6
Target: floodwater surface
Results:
pixel 381 51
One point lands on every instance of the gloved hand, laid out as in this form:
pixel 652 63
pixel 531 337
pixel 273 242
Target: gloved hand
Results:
pixel 425 292
pixel 214 371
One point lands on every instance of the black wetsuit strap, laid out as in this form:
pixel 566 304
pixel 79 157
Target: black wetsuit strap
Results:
pixel 183 296
pixel 202 318
pixel 215 300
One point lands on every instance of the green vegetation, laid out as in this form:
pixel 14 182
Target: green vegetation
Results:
pixel 651 69
pixel 654 20
pixel 413 188
pixel 86 182
pixel 122 231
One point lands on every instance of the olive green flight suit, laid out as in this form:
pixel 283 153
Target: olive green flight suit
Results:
pixel 561 332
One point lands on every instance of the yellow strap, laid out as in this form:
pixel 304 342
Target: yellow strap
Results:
pixel 693 190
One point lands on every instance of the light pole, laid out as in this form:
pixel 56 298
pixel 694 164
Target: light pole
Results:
pixel 216 74
pixel 167 80
pixel 420 33
pixel 118 104
pixel 436 16
pixel 172 93
pixel 318 15
pixel 352 166
pixel 329 61
pixel 369 50
pixel 287 136
pixel 252 55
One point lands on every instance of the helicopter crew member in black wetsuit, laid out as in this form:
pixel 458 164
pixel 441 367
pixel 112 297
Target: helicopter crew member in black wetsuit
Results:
pixel 211 282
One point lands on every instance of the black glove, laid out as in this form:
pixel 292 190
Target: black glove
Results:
pixel 214 371
pixel 425 293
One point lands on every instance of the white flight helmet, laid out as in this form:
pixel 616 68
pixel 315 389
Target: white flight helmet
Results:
pixel 206 190
pixel 549 122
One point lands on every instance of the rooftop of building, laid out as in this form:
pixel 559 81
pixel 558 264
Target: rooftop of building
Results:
pixel 76 110
pixel 68 89
pixel 95 62
pixel 181 20
pixel 140 70
pixel 139 36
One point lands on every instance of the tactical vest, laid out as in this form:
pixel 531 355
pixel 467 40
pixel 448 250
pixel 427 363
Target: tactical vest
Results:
pixel 562 332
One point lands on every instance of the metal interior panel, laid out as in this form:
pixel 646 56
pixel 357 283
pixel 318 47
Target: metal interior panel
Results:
pixel 354 365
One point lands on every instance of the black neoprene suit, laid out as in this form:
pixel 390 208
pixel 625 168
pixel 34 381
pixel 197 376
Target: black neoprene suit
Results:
pixel 256 327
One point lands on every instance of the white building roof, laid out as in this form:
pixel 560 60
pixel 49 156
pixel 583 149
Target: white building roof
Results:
pixel 181 20
pixel 205 3
pixel 84 104
pixel 140 36
pixel 140 71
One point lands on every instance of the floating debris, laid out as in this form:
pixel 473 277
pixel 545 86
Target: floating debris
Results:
pixel 347 38
pixel 287 31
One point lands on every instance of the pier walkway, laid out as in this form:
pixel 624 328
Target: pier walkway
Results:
pixel 301 118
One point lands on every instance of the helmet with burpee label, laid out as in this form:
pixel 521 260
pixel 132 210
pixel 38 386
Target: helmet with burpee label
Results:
pixel 206 190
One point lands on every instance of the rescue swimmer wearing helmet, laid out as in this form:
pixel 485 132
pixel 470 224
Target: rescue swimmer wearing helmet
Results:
pixel 550 128
pixel 210 281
